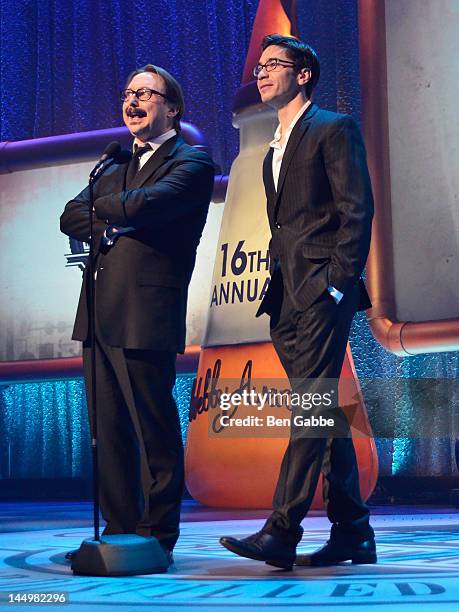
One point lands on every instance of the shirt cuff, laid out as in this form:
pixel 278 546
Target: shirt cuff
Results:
pixel 335 293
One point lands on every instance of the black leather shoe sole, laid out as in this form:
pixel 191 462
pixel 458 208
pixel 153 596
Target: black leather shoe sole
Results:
pixel 359 558
pixel 284 564
pixel 233 547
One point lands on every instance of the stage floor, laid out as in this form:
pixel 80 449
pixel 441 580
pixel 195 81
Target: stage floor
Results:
pixel 418 551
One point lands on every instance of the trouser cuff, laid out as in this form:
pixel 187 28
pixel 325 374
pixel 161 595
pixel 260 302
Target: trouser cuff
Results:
pixel 349 533
pixel 289 536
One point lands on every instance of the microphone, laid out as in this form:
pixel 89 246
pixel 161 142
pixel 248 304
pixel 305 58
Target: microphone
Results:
pixel 110 153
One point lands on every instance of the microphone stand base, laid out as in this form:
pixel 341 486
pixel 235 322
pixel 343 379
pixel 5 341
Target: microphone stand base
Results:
pixel 120 555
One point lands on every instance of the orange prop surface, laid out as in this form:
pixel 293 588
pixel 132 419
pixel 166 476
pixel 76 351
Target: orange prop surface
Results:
pixel 241 472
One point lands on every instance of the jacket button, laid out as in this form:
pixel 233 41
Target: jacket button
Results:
pixel 277 225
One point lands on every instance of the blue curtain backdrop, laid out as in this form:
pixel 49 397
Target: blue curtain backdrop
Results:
pixel 62 64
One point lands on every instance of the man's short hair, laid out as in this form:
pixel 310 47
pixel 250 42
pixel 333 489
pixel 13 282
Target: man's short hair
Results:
pixel 173 93
pixel 299 52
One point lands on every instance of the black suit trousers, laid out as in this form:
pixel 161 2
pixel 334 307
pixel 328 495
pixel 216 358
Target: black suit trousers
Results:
pixel 140 449
pixel 311 345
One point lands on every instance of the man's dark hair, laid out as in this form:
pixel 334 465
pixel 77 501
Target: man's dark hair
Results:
pixel 299 52
pixel 173 93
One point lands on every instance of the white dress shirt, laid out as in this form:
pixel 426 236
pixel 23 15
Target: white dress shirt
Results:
pixel 278 155
pixel 279 149
pixel 154 145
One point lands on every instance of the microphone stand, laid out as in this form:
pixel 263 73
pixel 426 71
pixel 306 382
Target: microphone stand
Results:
pixel 112 555
pixel 96 172
pixel 94 175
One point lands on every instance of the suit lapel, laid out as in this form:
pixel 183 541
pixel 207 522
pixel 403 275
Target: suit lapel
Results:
pixel 114 179
pixel 159 157
pixel 296 136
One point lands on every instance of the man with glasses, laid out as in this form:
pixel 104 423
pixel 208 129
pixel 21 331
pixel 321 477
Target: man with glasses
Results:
pixel 320 209
pixel 148 219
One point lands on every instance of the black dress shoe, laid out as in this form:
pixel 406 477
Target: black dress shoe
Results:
pixel 333 553
pixel 169 556
pixel 263 546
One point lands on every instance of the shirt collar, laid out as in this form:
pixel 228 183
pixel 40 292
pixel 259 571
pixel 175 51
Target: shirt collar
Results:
pixel 278 133
pixel 158 141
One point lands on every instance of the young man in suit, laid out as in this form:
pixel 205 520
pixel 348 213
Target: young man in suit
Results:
pixel 320 209
pixel 148 219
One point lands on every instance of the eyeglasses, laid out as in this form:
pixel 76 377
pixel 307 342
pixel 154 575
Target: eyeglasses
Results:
pixel 272 64
pixel 143 94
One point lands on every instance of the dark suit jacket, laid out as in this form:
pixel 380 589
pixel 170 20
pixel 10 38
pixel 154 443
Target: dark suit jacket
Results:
pixel 320 217
pixel 142 280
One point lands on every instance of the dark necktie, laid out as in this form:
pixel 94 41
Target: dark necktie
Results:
pixel 133 167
